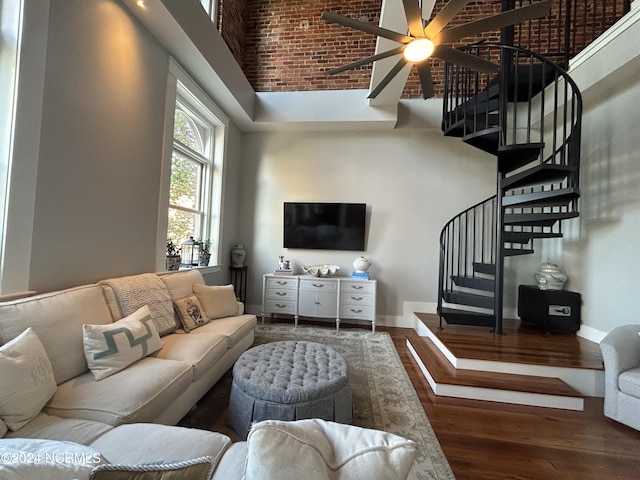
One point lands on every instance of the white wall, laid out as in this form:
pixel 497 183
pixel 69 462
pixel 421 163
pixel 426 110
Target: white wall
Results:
pixel 412 180
pixel 600 250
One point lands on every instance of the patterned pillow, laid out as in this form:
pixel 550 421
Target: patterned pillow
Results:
pixel 217 301
pixel 113 347
pixel 27 379
pixel 196 469
pixel 191 313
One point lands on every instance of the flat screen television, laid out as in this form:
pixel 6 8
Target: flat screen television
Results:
pixel 327 226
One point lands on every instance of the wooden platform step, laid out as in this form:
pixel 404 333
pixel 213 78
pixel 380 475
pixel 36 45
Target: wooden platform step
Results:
pixel 446 380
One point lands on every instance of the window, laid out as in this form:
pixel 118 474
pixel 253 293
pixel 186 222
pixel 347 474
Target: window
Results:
pixel 198 132
pixel 211 7
pixel 190 172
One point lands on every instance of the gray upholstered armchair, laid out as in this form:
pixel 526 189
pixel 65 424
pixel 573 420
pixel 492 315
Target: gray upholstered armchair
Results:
pixel 621 355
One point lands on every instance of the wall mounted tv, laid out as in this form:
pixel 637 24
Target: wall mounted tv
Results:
pixel 327 226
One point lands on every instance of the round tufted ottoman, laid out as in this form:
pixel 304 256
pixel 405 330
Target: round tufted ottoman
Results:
pixel 289 381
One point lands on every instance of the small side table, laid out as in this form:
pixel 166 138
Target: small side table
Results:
pixel 238 278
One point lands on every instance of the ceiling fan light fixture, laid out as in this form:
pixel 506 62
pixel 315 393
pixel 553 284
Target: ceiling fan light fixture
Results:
pixel 419 50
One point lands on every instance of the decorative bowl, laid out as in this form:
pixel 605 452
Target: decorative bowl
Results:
pixel 321 270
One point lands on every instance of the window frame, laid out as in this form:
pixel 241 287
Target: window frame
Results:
pixel 183 89
pixel 211 7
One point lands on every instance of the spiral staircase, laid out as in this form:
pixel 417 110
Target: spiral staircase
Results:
pixel 528 116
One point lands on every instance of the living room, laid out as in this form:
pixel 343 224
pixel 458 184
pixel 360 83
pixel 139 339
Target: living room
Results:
pixel 85 187
pixel 78 197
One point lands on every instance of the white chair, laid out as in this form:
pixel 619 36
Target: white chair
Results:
pixel 621 355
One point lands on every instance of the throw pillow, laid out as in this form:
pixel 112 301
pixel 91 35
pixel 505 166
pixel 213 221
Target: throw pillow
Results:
pixel 113 347
pixel 196 469
pixel 217 301
pixel 35 459
pixel 191 313
pixel 27 379
pixel 325 451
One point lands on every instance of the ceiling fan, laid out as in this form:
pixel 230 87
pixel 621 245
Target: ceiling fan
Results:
pixel 423 42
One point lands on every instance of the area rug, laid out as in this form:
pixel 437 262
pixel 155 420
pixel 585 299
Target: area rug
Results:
pixel 383 395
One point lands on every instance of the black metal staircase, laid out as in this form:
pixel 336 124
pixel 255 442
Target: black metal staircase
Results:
pixel 529 117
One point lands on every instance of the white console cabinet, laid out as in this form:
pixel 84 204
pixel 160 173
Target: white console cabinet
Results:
pixel 306 296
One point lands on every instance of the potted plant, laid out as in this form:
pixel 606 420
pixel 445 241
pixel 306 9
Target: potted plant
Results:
pixel 205 252
pixel 173 256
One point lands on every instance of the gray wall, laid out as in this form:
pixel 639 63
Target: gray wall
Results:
pixel 96 210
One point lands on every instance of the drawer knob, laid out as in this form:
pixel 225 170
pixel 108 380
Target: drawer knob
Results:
pixel 281 283
pixel 357 287
pixel 318 285
pixel 282 294
pixel 356 298
pixel 356 310
pixel 279 305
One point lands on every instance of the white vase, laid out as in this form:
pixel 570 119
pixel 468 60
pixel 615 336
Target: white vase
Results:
pixel 549 277
pixel 238 255
pixel 361 264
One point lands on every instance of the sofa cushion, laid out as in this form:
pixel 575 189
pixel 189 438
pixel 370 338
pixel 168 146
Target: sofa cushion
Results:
pixel 150 443
pixel 57 318
pixel 180 284
pixel 231 464
pixel 325 450
pixel 199 351
pixel 56 428
pixel 3 429
pixel 196 469
pixel 135 291
pixel 35 459
pixel 110 348
pixel 27 379
pixel 629 382
pixel 217 301
pixel 139 393
pixel 191 313
pixel 233 328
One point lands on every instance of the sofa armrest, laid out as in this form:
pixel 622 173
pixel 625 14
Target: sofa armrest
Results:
pixel 621 349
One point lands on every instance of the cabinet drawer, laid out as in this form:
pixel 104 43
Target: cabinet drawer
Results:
pixel 281 283
pixel 361 287
pixel 280 294
pixel 319 285
pixel 275 306
pixel 356 312
pixel 356 299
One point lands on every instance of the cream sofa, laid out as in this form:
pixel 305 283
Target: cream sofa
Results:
pixel 122 424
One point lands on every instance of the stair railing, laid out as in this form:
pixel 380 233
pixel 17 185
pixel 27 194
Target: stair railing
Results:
pixel 530 101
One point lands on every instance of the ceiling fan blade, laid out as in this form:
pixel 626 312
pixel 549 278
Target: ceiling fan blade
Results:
pixel 443 17
pixel 461 58
pixel 414 18
pixel 385 81
pixel 365 27
pixel 427 8
pixel 364 61
pixel 495 22
pixel 426 82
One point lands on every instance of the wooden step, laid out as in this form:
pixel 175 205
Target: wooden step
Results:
pixel 446 380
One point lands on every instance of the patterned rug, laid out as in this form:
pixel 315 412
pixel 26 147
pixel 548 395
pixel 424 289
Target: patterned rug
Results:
pixel 383 395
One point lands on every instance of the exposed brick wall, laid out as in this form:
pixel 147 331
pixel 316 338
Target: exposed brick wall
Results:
pixel 283 45
pixel 231 23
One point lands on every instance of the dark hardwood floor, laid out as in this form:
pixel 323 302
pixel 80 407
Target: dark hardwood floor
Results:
pixel 487 440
